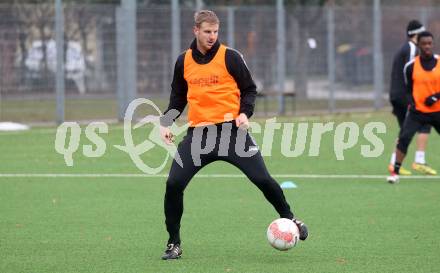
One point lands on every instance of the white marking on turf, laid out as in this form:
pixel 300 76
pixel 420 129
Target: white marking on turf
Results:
pixel 129 175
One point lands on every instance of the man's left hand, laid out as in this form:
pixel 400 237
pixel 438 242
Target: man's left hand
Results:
pixel 429 101
pixel 242 121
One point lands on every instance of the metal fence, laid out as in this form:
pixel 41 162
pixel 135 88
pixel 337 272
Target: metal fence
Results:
pixel 322 59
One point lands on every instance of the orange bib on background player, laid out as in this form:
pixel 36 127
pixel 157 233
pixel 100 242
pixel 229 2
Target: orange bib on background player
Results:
pixel 425 84
pixel 212 91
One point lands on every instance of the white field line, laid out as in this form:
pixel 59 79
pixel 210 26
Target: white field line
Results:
pixel 122 175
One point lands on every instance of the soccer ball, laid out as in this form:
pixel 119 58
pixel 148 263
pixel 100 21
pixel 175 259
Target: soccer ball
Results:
pixel 282 234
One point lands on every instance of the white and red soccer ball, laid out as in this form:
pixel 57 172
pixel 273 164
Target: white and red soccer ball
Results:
pixel 282 234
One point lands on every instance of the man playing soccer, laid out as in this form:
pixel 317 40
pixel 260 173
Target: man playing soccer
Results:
pixel 400 100
pixel 422 77
pixel 216 84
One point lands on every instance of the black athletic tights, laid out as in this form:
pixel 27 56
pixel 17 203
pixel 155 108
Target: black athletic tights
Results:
pixel 193 160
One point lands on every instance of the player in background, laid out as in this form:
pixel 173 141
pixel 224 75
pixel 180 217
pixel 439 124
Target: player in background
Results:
pixel 400 99
pixel 422 78
pixel 216 84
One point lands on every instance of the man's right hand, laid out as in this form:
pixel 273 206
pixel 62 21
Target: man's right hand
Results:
pixel 166 135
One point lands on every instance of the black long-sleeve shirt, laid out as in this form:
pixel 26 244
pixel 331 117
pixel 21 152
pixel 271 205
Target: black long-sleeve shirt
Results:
pixel 235 65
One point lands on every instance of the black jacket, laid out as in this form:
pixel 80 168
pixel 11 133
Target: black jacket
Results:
pixel 235 65
pixel 398 90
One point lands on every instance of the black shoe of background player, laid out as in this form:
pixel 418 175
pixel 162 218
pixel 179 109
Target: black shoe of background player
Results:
pixel 303 230
pixel 172 252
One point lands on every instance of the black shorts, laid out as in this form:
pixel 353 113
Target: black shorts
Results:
pixel 413 122
pixel 400 110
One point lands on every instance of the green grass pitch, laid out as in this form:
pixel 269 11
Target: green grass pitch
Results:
pixel 116 224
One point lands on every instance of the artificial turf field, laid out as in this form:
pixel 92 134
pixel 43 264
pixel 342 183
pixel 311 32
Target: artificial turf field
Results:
pixel 82 221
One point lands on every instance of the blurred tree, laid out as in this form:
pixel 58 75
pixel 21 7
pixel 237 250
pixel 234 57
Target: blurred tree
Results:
pixel 85 17
pixel 67 1
pixel 20 14
pixel 40 17
pixel 305 14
